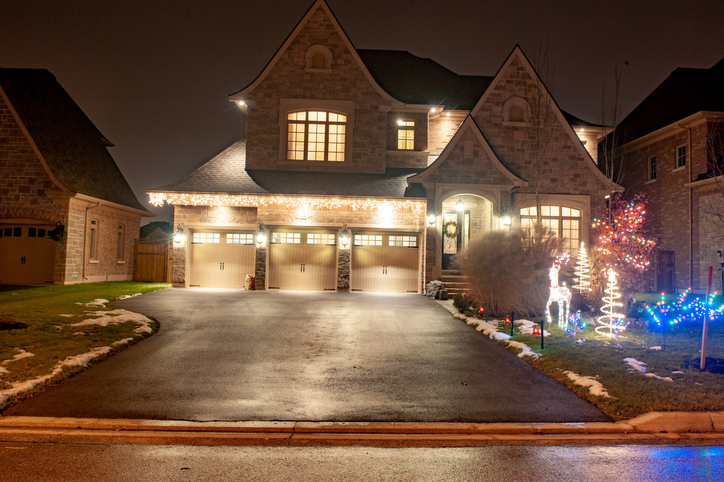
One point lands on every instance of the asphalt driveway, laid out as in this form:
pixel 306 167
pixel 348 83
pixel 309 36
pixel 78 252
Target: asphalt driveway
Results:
pixel 266 355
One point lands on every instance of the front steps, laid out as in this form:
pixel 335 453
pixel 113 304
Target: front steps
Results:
pixel 453 281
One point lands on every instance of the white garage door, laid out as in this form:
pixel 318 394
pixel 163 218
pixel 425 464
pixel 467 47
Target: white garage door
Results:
pixel 386 263
pixel 303 261
pixel 221 260
pixel 26 255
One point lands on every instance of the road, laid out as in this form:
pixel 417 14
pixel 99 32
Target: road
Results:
pixel 56 462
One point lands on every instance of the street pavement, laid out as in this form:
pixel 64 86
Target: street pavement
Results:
pixel 303 356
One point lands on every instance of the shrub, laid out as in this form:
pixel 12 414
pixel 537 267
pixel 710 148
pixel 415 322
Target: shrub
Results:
pixel 465 303
pixel 509 269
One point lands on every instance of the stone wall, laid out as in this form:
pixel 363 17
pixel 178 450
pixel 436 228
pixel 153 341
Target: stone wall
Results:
pixel 107 266
pixel 441 129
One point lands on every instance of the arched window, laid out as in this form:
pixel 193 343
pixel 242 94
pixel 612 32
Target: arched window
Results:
pixel 318 59
pixel 316 135
pixel 516 112
pixel 563 221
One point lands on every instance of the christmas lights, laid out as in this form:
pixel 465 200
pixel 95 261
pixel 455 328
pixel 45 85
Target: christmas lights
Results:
pixel 576 323
pixel 582 270
pixel 559 293
pixel 685 309
pixel 611 320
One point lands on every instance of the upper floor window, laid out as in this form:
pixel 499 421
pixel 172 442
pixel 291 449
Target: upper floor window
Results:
pixel 405 135
pixel 564 222
pixel 652 168
pixel 316 135
pixel 680 157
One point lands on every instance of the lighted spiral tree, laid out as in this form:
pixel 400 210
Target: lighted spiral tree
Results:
pixel 611 319
pixel 582 270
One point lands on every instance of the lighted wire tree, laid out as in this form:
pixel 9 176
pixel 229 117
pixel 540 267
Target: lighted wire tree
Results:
pixel 611 319
pixel 582 269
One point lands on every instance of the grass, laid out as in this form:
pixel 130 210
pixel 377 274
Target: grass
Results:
pixel 633 393
pixel 30 321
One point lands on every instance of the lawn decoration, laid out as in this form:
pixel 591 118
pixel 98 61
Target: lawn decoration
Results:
pixel 611 320
pixel 685 309
pixel 582 270
pixel 559 293
pixel 575 323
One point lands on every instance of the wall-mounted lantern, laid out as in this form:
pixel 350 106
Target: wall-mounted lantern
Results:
pixel 344 237
pixel 260 236
pixel 178 235
pixel 431 218
pixel 506 221
pixel 460 205
pixel 56 233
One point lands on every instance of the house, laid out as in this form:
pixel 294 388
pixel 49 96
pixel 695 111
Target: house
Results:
pixel 368 170
pixel 670 146
pixel 67 214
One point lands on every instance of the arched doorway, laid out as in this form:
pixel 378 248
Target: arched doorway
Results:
pixel 468 214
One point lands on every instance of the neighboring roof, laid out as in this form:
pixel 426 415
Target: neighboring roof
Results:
pixel 149 228
pixel 226 173
pixel 72 147
pixel 416 80
pixel 577 121
pixel 683 93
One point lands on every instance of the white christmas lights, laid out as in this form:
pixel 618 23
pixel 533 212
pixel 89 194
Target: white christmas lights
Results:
pixel 582 270
pixel 611 320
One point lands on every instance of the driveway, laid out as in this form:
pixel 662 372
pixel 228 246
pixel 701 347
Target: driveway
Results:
pixel 269 355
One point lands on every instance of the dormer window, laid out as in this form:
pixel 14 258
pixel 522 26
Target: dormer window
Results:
pixel 318 59
pixel 316 135
pixel 405 135
pixel 516 112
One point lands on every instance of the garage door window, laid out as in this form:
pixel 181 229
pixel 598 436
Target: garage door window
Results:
pixel 286 238
pixel 203 238
pixel 233 238
pixel 314 238
pixel 405 241
pixel 367 240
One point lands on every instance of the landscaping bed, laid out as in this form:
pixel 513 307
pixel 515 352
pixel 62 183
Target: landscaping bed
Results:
pixel 640 372
pixel 49 333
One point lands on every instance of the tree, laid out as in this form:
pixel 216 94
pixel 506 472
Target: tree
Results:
pixel 624 241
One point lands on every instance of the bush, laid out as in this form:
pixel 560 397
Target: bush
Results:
pixel 465 303
pixel 509 269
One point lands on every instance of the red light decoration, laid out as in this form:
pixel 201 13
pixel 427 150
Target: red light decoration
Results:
pixel 507 320
pixel 536 330
pixel 481 310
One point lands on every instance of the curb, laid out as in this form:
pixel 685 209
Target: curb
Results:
pixel 690 428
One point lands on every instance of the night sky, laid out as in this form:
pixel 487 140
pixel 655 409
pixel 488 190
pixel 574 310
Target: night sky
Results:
pixel 154 75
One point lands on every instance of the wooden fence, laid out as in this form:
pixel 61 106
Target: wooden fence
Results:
pixel 151 261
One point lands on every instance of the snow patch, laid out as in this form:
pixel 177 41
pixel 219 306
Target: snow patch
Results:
pixel 655 348
pixel 491 330
pixel 125 297
pixel 65 315
pixel 98 302
pixel 4 370
pixel 106 318
pixel 121 342
pixel 19 355
pixel 635 364
pixel 594 386
pixel 653 375
pixel 75 360
pixel 678 372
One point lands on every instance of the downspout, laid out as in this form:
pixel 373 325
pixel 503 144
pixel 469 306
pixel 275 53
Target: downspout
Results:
pixel 691 201
pixel 85 237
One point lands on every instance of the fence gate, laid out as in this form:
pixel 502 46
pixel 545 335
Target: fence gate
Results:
pixel 150 261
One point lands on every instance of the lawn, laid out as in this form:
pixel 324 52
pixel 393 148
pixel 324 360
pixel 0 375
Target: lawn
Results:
pixel 667 384
pixel 43 337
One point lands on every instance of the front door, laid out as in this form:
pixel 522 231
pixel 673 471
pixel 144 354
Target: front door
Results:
pixel 665 272
pixel 455 235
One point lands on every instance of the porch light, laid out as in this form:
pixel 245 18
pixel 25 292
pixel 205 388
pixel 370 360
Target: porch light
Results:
pixel 431 219
pixel 344 238
pixel 460 205
pixel 260 236
pixel 178 235
pixel 506 221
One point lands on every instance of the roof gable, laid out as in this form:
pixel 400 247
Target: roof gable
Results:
pixel 317 6
pixel 483 166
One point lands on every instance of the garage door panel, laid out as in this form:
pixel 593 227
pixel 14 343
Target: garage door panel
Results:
pixel 222 264
pixel 385 268
pixel 301 265
pixel 26 258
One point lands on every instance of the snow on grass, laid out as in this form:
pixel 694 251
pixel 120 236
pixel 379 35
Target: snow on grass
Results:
pixel 640 367
pixel 124 297
pixel 74 360
pixel 19 355
pixel 98 302
pixel 594 386
pixel 66 315
pixel 658 348
pixel 105 318
pixel 122 342
pixel 3 370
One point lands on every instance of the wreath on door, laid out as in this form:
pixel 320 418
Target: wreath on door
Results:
pixel 450 229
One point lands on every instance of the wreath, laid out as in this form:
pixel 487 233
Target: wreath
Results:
pixel 450 229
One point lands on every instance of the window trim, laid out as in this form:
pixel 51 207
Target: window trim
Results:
pixel 309 59
pixel 287 106
pixel 518 102
pixel 560 217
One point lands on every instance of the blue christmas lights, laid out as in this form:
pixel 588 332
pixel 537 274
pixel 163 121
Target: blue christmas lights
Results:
pixel 684 309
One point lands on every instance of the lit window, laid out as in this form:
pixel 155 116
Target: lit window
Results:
pixel 367 240
pixel 405 241
pixel 316 136
pixel 314 238
pixel 119 251
pixel 206 238
pixel 93 236
pixel 680 156
pixel 562 221
pixel 652 168
pixel 406 135
pixel 286 238
pixel 234 238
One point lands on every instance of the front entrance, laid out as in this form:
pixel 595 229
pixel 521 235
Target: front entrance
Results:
pixel 665 272
pixel 454 222
pixel 464 217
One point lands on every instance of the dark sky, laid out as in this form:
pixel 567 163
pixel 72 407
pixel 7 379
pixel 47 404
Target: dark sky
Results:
pixel 154 75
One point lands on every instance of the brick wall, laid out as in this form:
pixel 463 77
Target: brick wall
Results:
pixel 107 266
pixel 441 129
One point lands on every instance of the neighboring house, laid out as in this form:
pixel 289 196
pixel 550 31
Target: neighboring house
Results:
pixel 671 147
pixel 157 230
pixel 354 161
pixel 67 215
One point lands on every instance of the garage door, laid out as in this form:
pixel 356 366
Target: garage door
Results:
pixel 385 263
pixel 221 260
pixel 303 261
pixel 26 255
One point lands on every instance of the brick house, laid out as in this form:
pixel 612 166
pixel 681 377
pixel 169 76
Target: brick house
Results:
pixel 67 214
pixel 671 147
pixel 354 161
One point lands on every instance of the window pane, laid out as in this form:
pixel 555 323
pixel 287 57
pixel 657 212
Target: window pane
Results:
pixel 317 116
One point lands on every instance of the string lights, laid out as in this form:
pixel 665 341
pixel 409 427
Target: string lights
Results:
pixel 685 309
pixel 611 319
pixel 582 270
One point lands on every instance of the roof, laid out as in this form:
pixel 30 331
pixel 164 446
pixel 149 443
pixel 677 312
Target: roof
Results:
pixel 226 173
pixel 416 80
pixel 73 148
pixel 149 228
pixel 685 92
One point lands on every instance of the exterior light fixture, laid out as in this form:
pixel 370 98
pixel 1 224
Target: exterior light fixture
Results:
pixel 460 205
pixel 448 114
pixel 506 221
pixel 178 235
pixel 344 237
pixel 431 218
pixel 242 103
pixel 433 110
pixel 260 236
pixel 536 329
